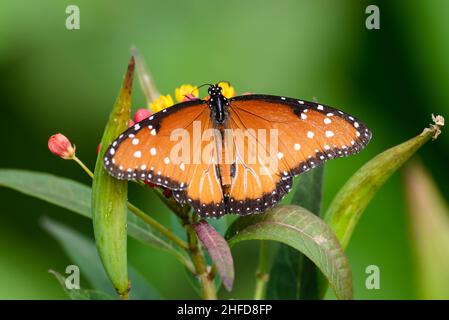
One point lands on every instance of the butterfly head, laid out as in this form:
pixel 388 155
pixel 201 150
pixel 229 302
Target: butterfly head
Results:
pixel 215 90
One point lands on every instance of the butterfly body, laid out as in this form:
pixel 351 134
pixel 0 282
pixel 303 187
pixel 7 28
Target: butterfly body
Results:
pixel 236 155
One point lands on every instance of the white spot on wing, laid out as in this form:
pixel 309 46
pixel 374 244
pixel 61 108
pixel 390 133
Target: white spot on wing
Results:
pixel 137 154
pixel 310 134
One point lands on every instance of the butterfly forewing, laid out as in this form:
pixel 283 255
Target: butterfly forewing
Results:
pixel 144 151
pixel 308 133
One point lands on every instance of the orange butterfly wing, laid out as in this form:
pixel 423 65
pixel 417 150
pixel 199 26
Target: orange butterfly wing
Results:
pixel 204 189
pixel 308 134
pixel 256 183
pixel 170 149
pixel 179 148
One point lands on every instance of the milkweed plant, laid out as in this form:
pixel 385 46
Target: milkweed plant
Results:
pixel 310 256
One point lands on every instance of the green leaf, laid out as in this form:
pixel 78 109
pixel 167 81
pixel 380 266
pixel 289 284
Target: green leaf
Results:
pixel 293 275
pixel 348 205
pixel 83 253
pixel 429 217
pixel 59 191
pixel 80 294
pixel 309 190
pixel 304 231
pixel 109 195
pixel 76 197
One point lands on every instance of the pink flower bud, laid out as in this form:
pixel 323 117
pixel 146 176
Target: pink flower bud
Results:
pixel 61 146
pixel 141 114
pixel 130 123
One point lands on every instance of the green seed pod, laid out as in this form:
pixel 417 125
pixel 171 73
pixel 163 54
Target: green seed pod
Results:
pixel 109 196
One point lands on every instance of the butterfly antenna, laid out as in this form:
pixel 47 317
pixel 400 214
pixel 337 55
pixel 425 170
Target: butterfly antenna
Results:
pixel 205 84
pixel 199 87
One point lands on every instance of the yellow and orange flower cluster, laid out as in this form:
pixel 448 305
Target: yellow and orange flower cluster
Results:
pixel 186 92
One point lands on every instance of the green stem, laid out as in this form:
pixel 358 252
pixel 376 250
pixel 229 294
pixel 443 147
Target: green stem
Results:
pixel 142 215
pixel 83 166
pixel 261 274
pixel 162 229
pixel 207 283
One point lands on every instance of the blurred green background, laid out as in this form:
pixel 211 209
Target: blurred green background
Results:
pixel 56 80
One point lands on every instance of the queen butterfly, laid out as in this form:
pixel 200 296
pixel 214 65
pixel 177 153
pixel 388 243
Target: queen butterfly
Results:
pixel 223 164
